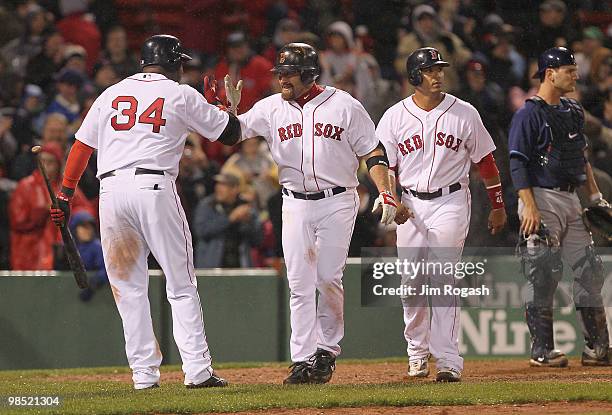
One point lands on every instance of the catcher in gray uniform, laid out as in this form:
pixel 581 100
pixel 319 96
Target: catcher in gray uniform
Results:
pixel 547 164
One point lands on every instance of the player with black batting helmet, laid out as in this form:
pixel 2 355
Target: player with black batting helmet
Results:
pixel 422 59
pixel 298 57
pixel 163 50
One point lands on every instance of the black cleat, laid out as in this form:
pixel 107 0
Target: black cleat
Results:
pixel 213 381
pixel 323 366
pixel 299 374
pixel 153 386
pixel 596 357
pixel 552 358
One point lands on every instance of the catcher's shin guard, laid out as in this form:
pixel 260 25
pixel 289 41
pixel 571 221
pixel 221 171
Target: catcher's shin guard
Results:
pixel 540 323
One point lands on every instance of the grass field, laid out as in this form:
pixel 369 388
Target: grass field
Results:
pixel 108 390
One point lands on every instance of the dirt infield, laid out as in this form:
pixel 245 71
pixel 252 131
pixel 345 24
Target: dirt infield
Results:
pixel 482 371
pixel 372 373
pixel 549 408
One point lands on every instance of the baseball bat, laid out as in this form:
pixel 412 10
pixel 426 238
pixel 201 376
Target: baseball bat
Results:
pixel 72 253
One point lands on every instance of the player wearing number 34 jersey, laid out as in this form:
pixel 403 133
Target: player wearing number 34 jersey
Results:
pixel 139 127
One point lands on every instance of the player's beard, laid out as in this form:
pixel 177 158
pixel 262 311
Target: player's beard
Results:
pixel 288 94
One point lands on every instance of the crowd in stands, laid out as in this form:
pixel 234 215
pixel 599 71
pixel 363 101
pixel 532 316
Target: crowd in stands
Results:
pixel 57 56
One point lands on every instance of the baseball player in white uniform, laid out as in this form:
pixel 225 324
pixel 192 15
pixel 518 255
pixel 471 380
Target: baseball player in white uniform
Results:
pixel 139 127
pixel 431 140
pixel 316 136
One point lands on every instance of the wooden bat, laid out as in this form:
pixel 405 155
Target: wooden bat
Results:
pixel 72 253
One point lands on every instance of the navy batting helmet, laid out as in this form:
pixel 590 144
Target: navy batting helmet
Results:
pixel 554 58
pixel 163 50
pixel 421 59
pixel 298 57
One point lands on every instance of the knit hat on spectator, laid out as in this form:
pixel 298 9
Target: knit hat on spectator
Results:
pixel 557 5
pixel 55 150
pixel 592 32
pixel 227 178
pixel 343 29
pixel 70 76
pixel 423 10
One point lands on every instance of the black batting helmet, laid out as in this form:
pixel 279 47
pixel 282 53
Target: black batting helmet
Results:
pixel 554 58
pixel 420 59
pixel 163 50
pixel 298 57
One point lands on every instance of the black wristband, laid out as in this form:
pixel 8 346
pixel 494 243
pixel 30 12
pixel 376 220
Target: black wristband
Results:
pixel 67 191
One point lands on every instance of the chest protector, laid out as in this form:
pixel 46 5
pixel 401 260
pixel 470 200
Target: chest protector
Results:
pixel 564 155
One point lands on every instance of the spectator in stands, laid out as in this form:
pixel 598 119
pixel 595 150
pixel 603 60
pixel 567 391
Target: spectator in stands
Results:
pixel 66 102
pixel 83 227
pixel 551 30
pixel 33 235
pixel 226 227
pixel 287 31
pixel 78 27
pixel 75 58
pixel 42 67
pixel 428 32
pixel 518 95
pixel 599 85
pixel 506 66
pixel 240 62
pixel 116 53
pixel 19 51
pixel 54 131
pixel 104 75
pixel 8 142
pixel 257 167
pixel 343 67
pixel 591 48
pixel 486 96
pixel 195 180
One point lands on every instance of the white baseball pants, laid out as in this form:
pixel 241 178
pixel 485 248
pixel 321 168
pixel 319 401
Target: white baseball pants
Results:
pixel 141 214
pixel 316 238
pixel 436 234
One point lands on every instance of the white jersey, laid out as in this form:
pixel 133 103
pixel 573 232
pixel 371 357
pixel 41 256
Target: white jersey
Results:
pixel 433 149
pixel 143 121
pixel 315 147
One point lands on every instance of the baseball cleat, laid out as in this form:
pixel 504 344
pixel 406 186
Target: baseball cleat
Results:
pixel 592 357
pixel 448 375
pixel 323 366
pixel 552 358
pixel 299 373
pixel 213 381
pixel 418 368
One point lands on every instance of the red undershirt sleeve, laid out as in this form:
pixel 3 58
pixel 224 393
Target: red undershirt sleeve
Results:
pixel 76 164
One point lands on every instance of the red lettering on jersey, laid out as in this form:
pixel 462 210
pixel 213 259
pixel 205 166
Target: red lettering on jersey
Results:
pixel 289 131
pixel 129 112
pixel 297 130
pixel 418 141
pixel 327 131
pixel 402 149
pixel 282 134
pixel 156 108
pixel 408 145
pixel 449 141
pixel 337 132
pixel 456 148
pixel 440 139
pixel 318 129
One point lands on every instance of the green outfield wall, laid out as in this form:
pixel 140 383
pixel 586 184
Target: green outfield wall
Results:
pixel 43 324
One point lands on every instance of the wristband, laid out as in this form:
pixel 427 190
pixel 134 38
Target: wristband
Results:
pixel 496 196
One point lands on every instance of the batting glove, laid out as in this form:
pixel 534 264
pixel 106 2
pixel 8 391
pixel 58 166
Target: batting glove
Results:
pixel 60 214
pixel 389 207
pixel 234 93
pixel 210 93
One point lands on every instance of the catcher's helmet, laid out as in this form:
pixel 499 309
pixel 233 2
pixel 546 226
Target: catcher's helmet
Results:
pixel 554 58
pixel 421 59
pixel 163 50
pixel 298 57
